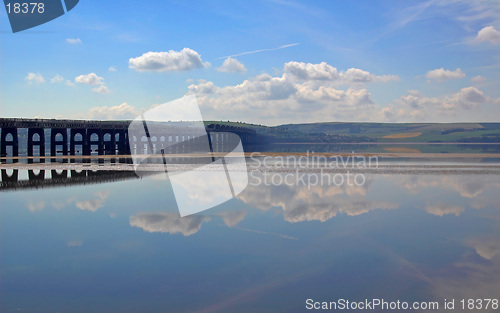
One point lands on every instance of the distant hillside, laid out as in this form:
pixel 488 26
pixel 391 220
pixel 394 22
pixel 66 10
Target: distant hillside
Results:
pixel 379 132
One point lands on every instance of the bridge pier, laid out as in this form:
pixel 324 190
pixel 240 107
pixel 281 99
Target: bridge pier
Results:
pixel 109 146
pixel 122 146
pixel 55 175
pixel 73 142
pixel 75 174
pixel 122 142
pixel 96 142
pixel 14 142
pixel 33 142
pixel 6 178
pixel 54 142
pixel 33 176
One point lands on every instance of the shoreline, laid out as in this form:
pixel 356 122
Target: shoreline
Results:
pixel 152 169
pixel 395 155
pixel 388 143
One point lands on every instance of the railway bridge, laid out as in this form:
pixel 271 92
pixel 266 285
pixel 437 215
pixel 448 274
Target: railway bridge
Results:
pixel 51 137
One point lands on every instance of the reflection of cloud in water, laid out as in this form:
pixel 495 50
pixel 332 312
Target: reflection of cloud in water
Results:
pixel 59 204
pixel 35 206
pixel 98 201
pixel 470 189
pixel 466 186
pixel 469 280
pixel 93 204
pixel 299 211
pixel 265 197
pixel 486 202
pixel 172 223
pixel 232 218
pixel 486 247
pixel 441 209
pixel 317 203
pixel 75 243
pixel 415 183
pixel 163 222
pixel 482 190
pixel 266 233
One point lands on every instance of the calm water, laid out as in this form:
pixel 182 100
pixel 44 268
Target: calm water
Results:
pixel 388 148
pixel 120 246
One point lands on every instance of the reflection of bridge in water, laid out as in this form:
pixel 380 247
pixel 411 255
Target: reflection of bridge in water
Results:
pixel 36 138
pixel 55 178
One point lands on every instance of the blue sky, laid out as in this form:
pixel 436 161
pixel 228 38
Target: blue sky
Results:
pixel 383 61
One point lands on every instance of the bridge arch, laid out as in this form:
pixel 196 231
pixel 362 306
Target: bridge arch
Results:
pixel 109 141
pixel 59 142
pixel 78 142
pixel 9 139
pixel 36 174
pixel 36 138
pixel 10 178
pixel 94 141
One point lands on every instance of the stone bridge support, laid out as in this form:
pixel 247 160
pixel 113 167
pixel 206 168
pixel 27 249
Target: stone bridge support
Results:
pixel 12 141
pixel 39 141
pixel 55 142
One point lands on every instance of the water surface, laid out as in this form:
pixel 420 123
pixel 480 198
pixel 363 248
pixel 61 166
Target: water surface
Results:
pixel 120 246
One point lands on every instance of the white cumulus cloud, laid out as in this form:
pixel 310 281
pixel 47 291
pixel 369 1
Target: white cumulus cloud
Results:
pixel 90 79
pixel 478 79
pixel 231 65
pixel 356 75
pixel 101 89
pixel 307 91
pixel 442 75
pixel 35 77
pixel 122 111
pixel 57 79
pixel 321 93
pixel 93 80
pixel 489 34
pixel 416 107
pixel 184 60
pixel 309 71
pixel 325 72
